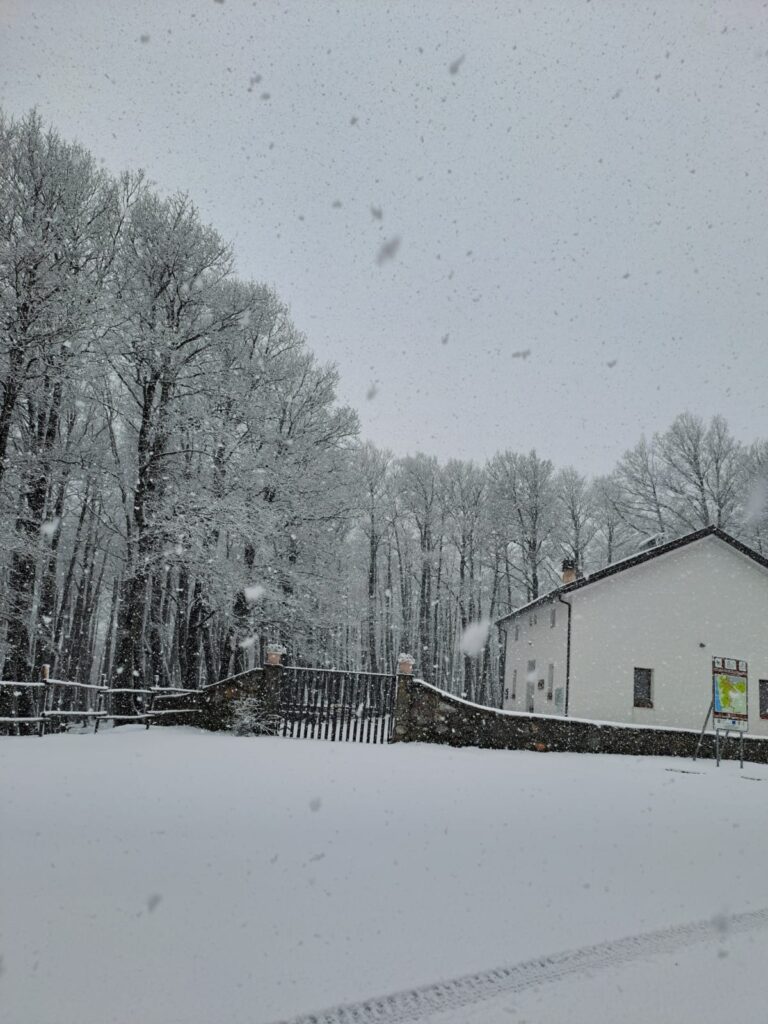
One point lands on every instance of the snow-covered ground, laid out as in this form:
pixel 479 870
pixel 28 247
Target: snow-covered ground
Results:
pixel 177 876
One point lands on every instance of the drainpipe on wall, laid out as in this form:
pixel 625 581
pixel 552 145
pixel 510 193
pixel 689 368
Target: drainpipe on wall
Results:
pixel 502 661
pixel 567 654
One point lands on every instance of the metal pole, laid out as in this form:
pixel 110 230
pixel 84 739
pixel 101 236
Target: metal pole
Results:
pixel 703 729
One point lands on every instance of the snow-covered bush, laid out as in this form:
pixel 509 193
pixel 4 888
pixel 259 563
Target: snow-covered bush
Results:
pixel 251 716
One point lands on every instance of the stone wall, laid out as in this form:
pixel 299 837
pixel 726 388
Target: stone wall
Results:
pixel 427 715
pixel 211 707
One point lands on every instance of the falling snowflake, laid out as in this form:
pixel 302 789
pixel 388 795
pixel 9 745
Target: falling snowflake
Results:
pixel 473 638
pixel 253 593
pixel 49 527
pixel 388 250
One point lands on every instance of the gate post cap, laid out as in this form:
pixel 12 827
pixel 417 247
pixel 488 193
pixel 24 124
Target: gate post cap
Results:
pixel 275 654
pixel 405 663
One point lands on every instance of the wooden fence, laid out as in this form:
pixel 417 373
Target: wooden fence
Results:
pixel 356 707
pixel 295 701
pixel 48 705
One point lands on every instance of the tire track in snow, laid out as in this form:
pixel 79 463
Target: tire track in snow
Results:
pixel 417 1003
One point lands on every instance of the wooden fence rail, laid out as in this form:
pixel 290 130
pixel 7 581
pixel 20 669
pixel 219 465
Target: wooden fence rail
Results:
pixel 30 707
pixel 294 701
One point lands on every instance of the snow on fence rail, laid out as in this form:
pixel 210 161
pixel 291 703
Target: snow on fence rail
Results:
pixel 26 705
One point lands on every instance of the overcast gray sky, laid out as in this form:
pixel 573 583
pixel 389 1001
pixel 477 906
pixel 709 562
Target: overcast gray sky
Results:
pixel 583 181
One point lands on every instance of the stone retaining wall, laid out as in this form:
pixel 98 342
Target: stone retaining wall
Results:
pixel 427 715
pixel 211 708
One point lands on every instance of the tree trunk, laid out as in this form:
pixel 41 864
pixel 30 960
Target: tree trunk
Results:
pixel 106 661
pixel 372 584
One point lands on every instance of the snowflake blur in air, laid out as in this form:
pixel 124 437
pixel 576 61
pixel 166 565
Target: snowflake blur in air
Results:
pixel 474 636
pixel 49 528
pixel 388 251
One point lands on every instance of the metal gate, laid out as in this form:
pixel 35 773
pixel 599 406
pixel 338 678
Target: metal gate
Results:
pixel 326 704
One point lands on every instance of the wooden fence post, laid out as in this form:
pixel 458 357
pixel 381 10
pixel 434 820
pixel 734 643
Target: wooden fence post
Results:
pixel 45 678
pixel 403 699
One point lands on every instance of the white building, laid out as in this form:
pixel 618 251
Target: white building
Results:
pixel 634 642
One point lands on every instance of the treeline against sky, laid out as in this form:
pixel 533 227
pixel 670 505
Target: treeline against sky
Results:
pixel 179 484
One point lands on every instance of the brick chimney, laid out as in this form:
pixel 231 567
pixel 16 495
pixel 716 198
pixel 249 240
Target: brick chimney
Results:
pixel 569 571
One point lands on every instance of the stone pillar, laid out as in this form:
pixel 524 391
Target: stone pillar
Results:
pixel 272 678
pixel 404 697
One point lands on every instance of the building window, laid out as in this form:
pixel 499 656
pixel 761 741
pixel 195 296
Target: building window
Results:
pixel 517 631
pixel 531 669
pixel 763 692
pixel 552 616
pixel 643 688
pixel 550 681
pixel 514 684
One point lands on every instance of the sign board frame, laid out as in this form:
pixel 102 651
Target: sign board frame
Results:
pixel 733 672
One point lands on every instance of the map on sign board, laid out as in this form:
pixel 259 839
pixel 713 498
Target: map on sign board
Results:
pixel 729 682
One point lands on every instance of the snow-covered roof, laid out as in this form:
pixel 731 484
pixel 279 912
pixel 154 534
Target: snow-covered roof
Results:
pixel 637 559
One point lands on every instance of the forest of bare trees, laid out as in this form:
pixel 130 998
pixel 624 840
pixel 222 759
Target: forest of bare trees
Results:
pixel 179 484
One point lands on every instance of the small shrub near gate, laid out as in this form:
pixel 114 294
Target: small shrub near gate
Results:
pixel 252 717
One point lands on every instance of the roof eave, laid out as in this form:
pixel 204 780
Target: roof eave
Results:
pixel 638 559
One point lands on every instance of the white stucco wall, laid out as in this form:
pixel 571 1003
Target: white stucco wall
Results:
pixel 543 644
pixel 656 615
